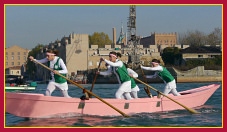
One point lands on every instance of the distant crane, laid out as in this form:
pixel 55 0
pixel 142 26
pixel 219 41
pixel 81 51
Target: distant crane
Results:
pixel 133 40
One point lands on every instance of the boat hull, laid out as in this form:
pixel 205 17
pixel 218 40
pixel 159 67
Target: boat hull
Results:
pixel 40 106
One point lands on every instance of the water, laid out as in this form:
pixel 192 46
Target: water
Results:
pixel 210 113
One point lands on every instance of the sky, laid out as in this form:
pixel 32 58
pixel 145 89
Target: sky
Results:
pixel 30 25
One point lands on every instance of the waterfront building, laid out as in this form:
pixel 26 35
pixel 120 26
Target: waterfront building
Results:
pixel 15 61
pixel 73 50
pixel 159 41
pixel 201 52
pixel 16 70
pixel 78 56
pixel 15 56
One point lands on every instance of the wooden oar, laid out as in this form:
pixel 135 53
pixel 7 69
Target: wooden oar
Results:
pixel 147 90
pixel 92 86
pixel 189 109
pixel 82 88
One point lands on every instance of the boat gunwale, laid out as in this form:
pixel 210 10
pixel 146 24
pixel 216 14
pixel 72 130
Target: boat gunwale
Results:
pixel 42 97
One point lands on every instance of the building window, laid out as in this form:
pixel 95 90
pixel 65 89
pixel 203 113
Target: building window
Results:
pixel 6 53
pixel 12 57
pixel 6 57
pixel 18 63
pixel 90 63
pixel 200 56
pixel 24 53
pixel 12 53
pixel 18 57
pixel 210 56
pixel 25 58
pixel 18 53
pixel 12 63
pixel 7 63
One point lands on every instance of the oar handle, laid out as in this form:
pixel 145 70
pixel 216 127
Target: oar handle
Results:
pixel 92 86
pixel 145 79
pixel 147 90
pixel 189 109
pixel 82 88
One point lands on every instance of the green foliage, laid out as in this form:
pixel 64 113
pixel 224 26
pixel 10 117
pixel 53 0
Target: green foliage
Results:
pixel 170 54
pixel 195 62
pixel 31 69
pixel 218 60
pixel 35 50
pixel 100 39
pixel 209 63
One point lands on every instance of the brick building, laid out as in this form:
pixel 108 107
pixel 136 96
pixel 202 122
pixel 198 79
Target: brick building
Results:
pixel 160 41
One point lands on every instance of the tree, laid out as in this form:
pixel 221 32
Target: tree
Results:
pixel 215 37
pixel 193 38
pixel 197 38
pixel 31 68
pixel 100 39
pixel 170 55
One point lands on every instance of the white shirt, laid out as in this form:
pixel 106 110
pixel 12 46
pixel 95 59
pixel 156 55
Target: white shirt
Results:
pixel 62 64
pixel 157 68
pixel 131 72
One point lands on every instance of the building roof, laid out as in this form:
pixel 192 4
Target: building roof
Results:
pixel 15 68
pixel 16 47
pixel 201 49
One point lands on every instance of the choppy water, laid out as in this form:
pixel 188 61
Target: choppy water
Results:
pixel 210 113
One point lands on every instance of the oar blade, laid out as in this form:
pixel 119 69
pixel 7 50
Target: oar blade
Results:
pixel 93 82
pixel 193 111
pixel 189 109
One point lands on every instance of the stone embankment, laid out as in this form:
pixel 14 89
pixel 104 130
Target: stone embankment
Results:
pixel 197 74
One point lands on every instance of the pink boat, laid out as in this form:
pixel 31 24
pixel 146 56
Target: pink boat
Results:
pixel 39 106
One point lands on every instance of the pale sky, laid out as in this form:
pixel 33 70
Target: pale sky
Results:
pixel 27 26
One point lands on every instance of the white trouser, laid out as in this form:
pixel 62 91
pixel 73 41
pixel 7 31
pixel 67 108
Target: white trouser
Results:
pixel 171 87
pixel 62 87
pixel 134 92
pixel 125 88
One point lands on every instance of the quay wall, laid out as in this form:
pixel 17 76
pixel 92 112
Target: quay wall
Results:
pixel 199 79
pixel 197 74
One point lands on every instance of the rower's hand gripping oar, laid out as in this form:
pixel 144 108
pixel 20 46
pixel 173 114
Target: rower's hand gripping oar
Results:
pixel 81 88
pixel 189 109
pixel 92 86
pixel 147 90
